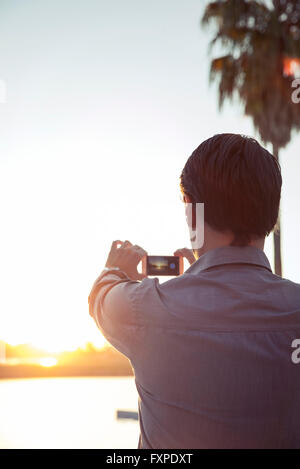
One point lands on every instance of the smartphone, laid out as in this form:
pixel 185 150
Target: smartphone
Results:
pixel 162 265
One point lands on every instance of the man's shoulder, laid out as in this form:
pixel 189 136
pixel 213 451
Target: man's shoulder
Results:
pixel 286 282
pixel 243 298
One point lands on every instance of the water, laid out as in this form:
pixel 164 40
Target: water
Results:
pixel 67 413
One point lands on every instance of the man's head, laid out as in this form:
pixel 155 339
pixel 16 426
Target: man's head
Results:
pixel 239 183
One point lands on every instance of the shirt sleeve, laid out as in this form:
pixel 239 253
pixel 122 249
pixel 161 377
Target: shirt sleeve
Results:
pixel 112 305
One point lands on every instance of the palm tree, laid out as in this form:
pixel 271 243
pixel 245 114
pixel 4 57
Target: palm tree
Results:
pixel 261 42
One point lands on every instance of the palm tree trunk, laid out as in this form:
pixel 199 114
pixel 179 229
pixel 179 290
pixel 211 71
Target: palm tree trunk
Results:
pixel 277 234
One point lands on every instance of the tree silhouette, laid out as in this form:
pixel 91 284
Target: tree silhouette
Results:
pixel 262 44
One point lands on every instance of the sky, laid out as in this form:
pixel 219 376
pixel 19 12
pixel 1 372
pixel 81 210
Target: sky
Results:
pixel 104 103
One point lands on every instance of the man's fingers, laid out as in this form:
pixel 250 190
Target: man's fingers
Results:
pixel 140 251
pixel 180 252
pixel 115 244
pixel 187 253
pixel 126 244
pixel 126 257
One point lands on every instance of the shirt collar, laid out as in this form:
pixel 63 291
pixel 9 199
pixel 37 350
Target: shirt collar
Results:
pixel 230 255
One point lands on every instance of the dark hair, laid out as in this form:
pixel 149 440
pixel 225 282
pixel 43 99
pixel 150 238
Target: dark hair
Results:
pixel 239 183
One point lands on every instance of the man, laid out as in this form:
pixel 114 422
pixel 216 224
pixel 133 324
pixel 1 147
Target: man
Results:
pixel 212 349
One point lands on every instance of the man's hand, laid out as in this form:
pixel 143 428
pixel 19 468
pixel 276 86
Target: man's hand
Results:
pixel 186 253
pixel 127 258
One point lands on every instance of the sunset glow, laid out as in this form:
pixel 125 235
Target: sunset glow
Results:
pixel 48 361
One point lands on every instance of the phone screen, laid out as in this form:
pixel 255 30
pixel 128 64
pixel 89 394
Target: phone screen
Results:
pixel 163 265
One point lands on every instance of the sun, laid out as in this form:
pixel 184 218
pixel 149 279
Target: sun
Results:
pixel 48 361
